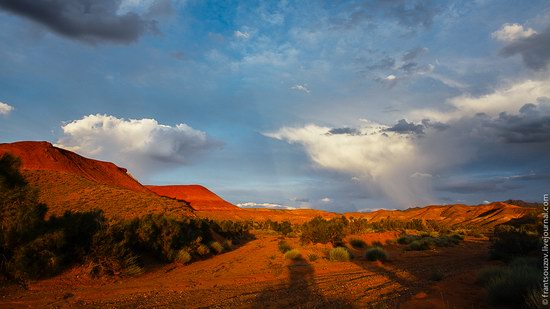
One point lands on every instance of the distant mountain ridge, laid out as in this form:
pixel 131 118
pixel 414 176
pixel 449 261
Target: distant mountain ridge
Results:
pixel 68 181
pixel 485 215
pixel 521 203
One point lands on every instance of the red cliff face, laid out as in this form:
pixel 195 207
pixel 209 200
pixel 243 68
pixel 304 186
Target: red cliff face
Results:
pixel 44 156
pixel 199 197
pixel 68 181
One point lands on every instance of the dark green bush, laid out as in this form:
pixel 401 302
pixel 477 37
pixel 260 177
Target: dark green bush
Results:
pixel 490 273
pixel 512 284
pixel 509 241
pixel 357 243
pixel 437 275
pixel 319 230
pixel 406 239
pixel 420 245
pixel 376 254
pixel 284 247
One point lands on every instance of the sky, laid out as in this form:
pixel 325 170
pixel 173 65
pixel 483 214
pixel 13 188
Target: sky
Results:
pixel 334 105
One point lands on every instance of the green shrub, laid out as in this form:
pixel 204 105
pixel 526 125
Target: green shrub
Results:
pixel 319 230
pixel 509 241
pixel 203 250
pixel 436 275
pixel 312 257
pixel 284 247
pixel 488 274
pixel 513 286
pixel 357 243
pixel 183 256
pixel 111 253
pixel 39 257
pixel 420 245
pixel 339 254
pixel 406 239
pixel 376 254
pixel 293 254
pixel 533 299
pixel 218 248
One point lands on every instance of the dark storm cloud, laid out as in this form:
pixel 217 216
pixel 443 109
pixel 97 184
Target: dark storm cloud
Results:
pixel 485 186
pixel 92 21
pixel 495 184
pixel 531 125
pixel 404 127
pixel 350 131
pixel 439 126
pixel 534 50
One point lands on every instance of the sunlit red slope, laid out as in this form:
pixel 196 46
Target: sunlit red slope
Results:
pixel 463 215
pixel 68 181
pixel 198 197
pixel 44 156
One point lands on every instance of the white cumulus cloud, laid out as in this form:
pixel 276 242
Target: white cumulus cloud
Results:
pixel 399 161
pixel 302 88
pixel 5 109
pixel 142 145
pixel 512 32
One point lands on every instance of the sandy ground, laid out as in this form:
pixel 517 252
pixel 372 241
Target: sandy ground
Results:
pixel 257 275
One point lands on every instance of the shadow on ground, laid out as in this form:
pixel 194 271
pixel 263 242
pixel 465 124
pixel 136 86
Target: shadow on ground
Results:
pixel 299 292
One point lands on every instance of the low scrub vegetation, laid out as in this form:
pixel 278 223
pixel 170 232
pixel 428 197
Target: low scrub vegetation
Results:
pixel 426 241
pixel 357 243
pixel 437 275
pixel 319 230
pixel 32 246
pixel 518 237
pixel 293 254
pixel 515 284
pixel 376 254
pixel 340 254
pixel 284 246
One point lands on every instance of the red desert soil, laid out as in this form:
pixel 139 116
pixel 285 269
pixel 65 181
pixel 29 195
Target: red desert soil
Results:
pixel 44 156
pixel 198 197
pixel 257 275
